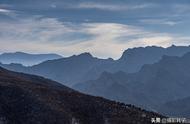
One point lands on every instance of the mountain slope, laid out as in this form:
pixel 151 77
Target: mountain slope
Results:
pixel 153 85
pixel 84 67
pixel 67 70
pixel 26 59
pixel 133 59
pixel 28 99
pixel 177 108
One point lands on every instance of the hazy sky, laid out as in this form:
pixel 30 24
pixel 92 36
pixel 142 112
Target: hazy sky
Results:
pixel 104 28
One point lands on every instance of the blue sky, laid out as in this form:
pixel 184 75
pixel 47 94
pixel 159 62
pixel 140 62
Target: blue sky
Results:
pixel 105 28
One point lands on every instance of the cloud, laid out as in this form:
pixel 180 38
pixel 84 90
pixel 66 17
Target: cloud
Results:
pixel 53 6
pixel 109 7
pixel 7 12
pixel 181 8
pixel 4 11
pixel 40 34
pixel 160 22
pixel 35 29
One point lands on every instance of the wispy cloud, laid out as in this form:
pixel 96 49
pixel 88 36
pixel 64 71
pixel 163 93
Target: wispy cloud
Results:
pixel 4 10
pixel 160 22
pixel 109 7
pixel 181 8
pixel 101 39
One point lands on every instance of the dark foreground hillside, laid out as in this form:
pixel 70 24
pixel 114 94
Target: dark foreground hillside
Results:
pixel 27 99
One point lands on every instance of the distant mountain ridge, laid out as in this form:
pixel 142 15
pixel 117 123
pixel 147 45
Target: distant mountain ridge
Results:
pixel 84 67
pixel 26 59
pixel 29 99
pixel 68 71
pixel 133 59
pixel 152 86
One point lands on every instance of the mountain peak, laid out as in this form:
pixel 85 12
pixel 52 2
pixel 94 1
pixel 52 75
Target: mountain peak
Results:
pixel 30 54
pixel 19 53
pixel 14 53
pixel 132 52
pixel 85 55
pixel 173 45
pixel 26 59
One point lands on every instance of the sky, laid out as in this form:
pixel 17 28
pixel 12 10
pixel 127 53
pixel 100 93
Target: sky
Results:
pixel 105 28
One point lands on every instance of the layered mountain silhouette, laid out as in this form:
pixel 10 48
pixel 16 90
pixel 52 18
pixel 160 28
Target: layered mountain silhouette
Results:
pixel 154 85
pixel 148 77
pixel 29 99
pixel 68 71
pixel 26 59
pixel 80 68
pixel 133 59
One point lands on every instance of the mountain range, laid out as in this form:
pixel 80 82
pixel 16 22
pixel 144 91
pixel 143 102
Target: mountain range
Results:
pixel 154 85
pixel 147 77
pixel 68 71
pixel 26 59
pixel 29 99
pixel 80 68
